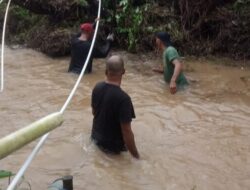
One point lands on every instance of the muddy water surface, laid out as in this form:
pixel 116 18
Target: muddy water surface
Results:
pixel 196 139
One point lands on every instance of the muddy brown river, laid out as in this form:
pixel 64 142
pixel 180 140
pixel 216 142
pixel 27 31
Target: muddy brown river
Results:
pixel 198 139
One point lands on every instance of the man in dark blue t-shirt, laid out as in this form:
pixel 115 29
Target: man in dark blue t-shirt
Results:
pixel 113 112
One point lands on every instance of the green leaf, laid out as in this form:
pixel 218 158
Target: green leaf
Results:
pixel 82 2
pixel 4 174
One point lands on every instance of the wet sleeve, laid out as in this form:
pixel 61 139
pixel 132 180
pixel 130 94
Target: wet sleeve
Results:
pixel 126 111
pixel 172 54
pixel 101 51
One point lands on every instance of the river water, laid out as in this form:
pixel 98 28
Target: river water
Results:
pixel 196 139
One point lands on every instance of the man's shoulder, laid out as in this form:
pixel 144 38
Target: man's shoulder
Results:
pixel 99 85
pixel 125 93
pixel 114 90
pixel 76 41
pixel 171 53
pixel 118 93
pixel 170 49
pixel 124 96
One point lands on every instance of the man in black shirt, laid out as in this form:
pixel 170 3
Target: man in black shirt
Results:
pixel 113 112
pixel 80 46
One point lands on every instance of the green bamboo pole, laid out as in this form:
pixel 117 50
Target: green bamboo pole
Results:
pixel 20 138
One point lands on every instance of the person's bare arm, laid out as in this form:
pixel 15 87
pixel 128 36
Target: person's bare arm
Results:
pixel 129 140
pixel 177 71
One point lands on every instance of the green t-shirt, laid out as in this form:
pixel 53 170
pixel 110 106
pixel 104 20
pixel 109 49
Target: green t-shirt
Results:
pixel 169 55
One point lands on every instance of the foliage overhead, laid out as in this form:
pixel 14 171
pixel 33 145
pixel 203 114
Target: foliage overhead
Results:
pixel 204 26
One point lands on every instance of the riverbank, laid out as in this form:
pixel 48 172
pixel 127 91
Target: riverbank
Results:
pixel 221 27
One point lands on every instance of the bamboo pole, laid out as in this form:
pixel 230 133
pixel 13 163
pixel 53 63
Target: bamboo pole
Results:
pixel 20 138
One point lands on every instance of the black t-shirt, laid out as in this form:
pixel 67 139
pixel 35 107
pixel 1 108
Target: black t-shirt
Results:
pixel 79 53
pixel 112 106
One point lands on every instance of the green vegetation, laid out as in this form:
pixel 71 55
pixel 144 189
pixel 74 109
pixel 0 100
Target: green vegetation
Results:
pixel 241 5
pixel 5 177
pixel 81 2
pixel 5 174
pixel 129 21
pixel 20 22
pixel 205 27
pixel 26 22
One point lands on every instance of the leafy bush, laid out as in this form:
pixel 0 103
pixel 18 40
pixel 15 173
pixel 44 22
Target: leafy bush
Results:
pixel 129 20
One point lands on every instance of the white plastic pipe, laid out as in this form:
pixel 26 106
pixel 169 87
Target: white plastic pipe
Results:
pixel 3 44
pixel 85 64
pixel 44 138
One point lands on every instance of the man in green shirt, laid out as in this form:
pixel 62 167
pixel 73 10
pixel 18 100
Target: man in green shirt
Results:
pixel 172 67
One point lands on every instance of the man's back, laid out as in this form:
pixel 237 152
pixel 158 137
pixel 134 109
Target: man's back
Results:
pixel 79 52
pixel 111 107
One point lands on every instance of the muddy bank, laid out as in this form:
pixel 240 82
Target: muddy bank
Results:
pixel 197 27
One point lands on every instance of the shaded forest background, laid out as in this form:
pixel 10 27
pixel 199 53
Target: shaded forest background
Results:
pixel 197 27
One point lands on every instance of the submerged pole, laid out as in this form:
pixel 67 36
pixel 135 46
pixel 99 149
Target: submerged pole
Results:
pixel 68 182
pixel 20 138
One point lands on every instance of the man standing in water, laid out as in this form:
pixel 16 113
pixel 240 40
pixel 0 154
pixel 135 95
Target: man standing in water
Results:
pixel 172 67
pixel 80 46
pixel 113 112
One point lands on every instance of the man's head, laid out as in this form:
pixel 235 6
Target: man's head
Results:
pixel 162 40
pixel 115 66
pixel 87 29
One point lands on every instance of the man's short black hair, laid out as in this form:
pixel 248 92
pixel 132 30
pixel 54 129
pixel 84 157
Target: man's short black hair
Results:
pixel 164 37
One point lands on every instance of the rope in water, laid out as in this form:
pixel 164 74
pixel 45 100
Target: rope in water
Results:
pixel 44 138
pixel 3 44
